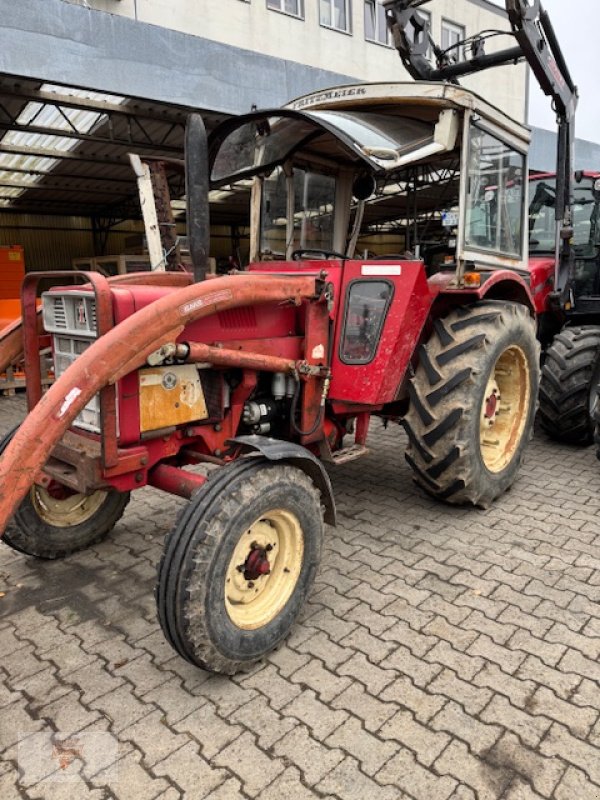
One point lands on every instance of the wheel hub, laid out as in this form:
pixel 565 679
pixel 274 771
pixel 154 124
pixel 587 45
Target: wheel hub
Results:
pixel 264 569
pixel 504 409
pixel 257 563
pixel 491 404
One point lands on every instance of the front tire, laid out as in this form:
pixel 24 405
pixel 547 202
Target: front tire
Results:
pixel 52 523
pixel 473 401
pixel 239 564
pixel 568 386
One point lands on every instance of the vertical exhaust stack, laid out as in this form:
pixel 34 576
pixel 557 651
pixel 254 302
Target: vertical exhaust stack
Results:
pixel 196 190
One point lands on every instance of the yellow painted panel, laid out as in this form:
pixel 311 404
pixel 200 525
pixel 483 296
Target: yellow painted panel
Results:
pixel 170 396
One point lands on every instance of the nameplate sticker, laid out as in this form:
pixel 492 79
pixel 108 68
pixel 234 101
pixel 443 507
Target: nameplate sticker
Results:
pixel 380 270
pixel 202 302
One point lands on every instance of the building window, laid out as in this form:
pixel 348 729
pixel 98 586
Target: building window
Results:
pixel 291 7
pixel 335 14
pixel 452 34
pixel 376 29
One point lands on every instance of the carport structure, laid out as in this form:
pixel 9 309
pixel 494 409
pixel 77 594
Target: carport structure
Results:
pixel 64 158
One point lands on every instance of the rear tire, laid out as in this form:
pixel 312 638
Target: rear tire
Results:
pixel 52 524
pixel 473 401
pixel 568 385
pixel 217 606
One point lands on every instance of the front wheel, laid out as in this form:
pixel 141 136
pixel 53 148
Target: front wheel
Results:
pixel 239 564
pixel 568 387
pixel 55 521
pixel 473 401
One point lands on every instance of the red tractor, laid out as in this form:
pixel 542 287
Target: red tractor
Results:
pixel 266 375
pixel 569 330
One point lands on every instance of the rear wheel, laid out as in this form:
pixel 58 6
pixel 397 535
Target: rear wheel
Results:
pixel 567 389
pixel 239 564
pixel 55 521
pixel 473 402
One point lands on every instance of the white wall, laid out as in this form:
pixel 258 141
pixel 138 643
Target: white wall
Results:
pixel 252 26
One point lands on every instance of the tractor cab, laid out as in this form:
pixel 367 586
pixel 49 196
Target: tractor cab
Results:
pixel 425 172
pixel 585 281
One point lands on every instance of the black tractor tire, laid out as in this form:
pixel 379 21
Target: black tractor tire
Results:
pixel 30 533
pixel 568 385
pixel 204 597
pixel 475 355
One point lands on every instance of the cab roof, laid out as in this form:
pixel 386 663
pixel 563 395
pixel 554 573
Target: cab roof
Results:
pixel 419 94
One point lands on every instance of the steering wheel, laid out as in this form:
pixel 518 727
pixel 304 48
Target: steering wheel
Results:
pixel 297 255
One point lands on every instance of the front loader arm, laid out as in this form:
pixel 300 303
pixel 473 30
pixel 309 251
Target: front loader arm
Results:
pixel 121 350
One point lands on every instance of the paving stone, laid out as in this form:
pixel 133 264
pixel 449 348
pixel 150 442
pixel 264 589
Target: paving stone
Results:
pixel 313 759
pixel 549 653
pixel 255 768
pixel 452 719
pixel 370 751
pixel 530 729
pixel 190 771
pixel 230 790
pixel 562 744
pixel 153 737
pixel 576 784
pixel 579 720
pixel 321 646
pixel 374 678
pixel 211 731
pixel 465 665
pixel 320 718
pixel 487 649
pixel 488 781
pixel 325 683
pixel 174 701
pixel 404 772
pixel 541 772
pixel 448 684
pixel 420 672
pixel 128 778
pixel 122 707
pixel 278 690
pixel 347 781
pixel 371 646
pixel 427 744
pixel 562 683
pixel 267 725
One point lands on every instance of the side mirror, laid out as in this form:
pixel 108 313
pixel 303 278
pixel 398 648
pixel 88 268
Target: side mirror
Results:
pixel 363 186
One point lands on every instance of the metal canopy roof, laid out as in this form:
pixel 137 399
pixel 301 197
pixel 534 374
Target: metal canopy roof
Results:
pixel 64 151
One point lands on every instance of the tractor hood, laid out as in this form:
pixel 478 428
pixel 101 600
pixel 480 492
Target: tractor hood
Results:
pixel 256 143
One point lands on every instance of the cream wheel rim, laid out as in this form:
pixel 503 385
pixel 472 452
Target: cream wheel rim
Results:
pixel 264 569
pixel 65 512
pixel 505 409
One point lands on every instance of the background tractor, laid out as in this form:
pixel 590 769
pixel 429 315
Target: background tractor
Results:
pixel 569 322
pixel 266 375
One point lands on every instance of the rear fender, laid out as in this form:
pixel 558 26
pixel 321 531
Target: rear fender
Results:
pixel 501 285
pixel 278 450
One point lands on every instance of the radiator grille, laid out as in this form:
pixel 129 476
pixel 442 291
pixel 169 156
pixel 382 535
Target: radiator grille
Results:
pixel 71 319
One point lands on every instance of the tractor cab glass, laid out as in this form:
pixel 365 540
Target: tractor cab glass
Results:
pixel 586 216
pixel 496 195
pixel 313 196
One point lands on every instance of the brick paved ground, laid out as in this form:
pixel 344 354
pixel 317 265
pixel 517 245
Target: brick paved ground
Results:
pixel 445 653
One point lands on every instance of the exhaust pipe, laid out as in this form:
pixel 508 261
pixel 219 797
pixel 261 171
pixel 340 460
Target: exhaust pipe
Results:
pixel 196 190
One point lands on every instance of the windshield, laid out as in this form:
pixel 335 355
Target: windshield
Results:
pixel 313 197
pixel 542 225
pixel 263 143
